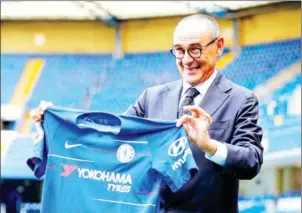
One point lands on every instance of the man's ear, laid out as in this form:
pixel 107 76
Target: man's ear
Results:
pixel 220 46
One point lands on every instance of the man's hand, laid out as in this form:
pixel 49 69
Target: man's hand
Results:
pixel 37 114
pixel 196 126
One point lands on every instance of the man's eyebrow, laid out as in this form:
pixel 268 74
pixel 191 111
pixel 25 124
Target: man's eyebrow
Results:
pixel 176 45
pixel 195 44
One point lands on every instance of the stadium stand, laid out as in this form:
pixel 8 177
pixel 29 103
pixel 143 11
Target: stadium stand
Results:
pixel 271 58
pixel 12 66
pixel 13 163
pixel 266 60
pixel 74 77
pixel 70 76
pixel 152 69
pixel 121 89
pixel 98 82
pixel 278 120
pixel 289 202
pixel 30 208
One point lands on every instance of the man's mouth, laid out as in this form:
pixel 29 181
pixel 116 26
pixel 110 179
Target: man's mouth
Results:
pixel 193 70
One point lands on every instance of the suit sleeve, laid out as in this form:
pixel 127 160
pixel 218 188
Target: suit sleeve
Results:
pixel 138 108
pixel 245 152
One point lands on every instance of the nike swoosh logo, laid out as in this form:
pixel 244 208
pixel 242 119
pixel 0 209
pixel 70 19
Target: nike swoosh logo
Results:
pixel 69 146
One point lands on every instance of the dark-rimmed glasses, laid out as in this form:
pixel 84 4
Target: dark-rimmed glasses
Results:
pixel 194 52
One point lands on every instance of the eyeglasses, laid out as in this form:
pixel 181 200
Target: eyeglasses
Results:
pixel 194 52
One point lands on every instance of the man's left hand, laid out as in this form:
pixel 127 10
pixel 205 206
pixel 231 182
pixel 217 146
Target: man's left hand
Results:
pixel 196 126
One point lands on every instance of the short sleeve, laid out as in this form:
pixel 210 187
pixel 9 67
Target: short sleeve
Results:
pixel 172 157
pixel 37 162
pixel 46 130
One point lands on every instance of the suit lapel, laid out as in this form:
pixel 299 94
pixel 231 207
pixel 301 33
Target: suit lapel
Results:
pixel 213 99
pixel 170 100
pixel 215 95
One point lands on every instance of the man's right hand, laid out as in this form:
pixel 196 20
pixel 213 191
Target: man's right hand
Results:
pixel 37 114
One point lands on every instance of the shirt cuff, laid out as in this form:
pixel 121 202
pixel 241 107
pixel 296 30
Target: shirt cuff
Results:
pixel 221 154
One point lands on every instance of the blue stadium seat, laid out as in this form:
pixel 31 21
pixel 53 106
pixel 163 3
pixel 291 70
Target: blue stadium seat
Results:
pixel 286 135
pixel 66 79
pixel 286 203
pixel 12 66
pixel 289 202
pixel 257 63
pixel 13 165
pixel 30 208
pixel 130 75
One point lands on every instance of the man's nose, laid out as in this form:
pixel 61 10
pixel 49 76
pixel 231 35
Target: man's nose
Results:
pixel 187 58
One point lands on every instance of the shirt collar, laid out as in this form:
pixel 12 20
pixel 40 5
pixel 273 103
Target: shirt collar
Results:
pixel 201 87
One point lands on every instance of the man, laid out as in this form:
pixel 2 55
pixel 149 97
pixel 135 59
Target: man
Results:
pixel 222 123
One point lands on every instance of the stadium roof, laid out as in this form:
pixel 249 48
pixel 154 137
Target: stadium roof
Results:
pixel 111 11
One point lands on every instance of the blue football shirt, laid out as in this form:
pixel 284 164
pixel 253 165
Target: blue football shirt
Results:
pixel 109 163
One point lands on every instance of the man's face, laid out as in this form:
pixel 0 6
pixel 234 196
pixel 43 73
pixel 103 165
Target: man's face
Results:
pixel 196 70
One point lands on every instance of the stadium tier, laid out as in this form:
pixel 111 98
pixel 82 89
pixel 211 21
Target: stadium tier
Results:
pixel 266 60
pixel 279 122
pixel 98 82
pixel 65 79
pixel 12 66
pixel 102 80
pixel 130 75
pixel 288 202
pixel 99 77
pixel 13 165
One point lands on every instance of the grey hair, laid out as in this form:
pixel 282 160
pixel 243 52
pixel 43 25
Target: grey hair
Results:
pixel 211 23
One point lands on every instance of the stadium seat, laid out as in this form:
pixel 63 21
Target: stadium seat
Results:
pixel 257 63
pixel 12 66
pixel 30 208
pixel 284 134
pixel 66 79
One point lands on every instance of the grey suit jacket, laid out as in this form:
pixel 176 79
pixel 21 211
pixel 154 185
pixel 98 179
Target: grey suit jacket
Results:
pixel 234 110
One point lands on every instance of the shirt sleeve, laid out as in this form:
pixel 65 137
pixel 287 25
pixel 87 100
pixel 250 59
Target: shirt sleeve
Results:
pixel 221 154
pixel 172 157
pixel 37 162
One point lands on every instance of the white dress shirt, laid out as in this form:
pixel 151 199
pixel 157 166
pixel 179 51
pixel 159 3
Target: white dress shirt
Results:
pixel 221 154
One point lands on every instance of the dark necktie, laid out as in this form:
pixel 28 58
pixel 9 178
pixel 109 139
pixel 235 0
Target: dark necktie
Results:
pixel 188 100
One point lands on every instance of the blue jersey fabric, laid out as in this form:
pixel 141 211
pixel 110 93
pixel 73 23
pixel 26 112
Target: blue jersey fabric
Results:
pixel 101 162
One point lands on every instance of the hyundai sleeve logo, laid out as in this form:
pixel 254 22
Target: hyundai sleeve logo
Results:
pixel 178 147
